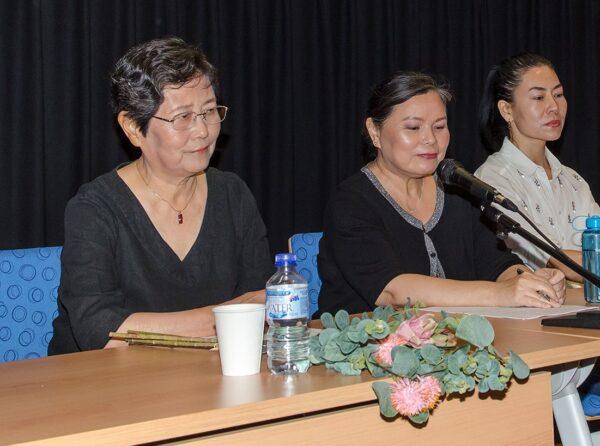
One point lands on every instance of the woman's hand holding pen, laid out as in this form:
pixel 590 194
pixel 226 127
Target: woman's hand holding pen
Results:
pixel 557 279
pixel 543 289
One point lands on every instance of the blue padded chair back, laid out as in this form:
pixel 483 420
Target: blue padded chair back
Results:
pixel 306 247
pixel 29 280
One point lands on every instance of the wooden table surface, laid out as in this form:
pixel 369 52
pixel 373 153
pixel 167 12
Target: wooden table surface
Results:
pixel 143 394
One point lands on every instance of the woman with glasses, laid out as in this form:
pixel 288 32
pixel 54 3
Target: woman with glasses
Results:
pixel 154 244
pixel 394 236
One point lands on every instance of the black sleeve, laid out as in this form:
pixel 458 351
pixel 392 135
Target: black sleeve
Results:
pixel 89 290
pixel 255 265
pixel 361 247
pixel 492 257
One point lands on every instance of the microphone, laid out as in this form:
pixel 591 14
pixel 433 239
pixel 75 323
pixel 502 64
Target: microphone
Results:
pixel 453 173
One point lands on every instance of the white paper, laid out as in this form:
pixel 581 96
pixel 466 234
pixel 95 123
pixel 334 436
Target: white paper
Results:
pixel 513 312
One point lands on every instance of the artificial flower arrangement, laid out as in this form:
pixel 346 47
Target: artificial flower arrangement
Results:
pixel 428 358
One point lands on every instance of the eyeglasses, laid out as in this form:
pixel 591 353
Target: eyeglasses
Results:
pixel 185 121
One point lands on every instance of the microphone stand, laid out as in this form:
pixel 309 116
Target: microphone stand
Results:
pixel 507 225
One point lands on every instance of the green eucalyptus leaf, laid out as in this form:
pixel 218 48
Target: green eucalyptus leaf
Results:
pixel 354 334
pixel 483 386
pixel 453 365
pixel 495 384
pixel 327 335
pixel 381 330
pixel 476 330
pixel 470 382
pixel 378 313
pixel 482 357
pixel 327 320
pixel 393 325
pixel 398 316
pixel 346 345
pixel 465 349
pixel 315 357
pixel 302 366
pixel 404 361
pixel 461 357
pixel 365 315
pixel 387 312
pixel 376 370
pixel 458 383
pixel 332 352
pixel 358 359
pixel 346 368
pixel 342 319
pixel 354 321
pixel 519 367
pixel 431 354
pixel 313 342
pixel 442 366
pixel 505 371
pixel 424 369
pixel 370 349
pixel 420 418
pixel 365 325
pixel 470 366
pixel 492 351
pixel 451 322
pixel 383 391
pixel 494 368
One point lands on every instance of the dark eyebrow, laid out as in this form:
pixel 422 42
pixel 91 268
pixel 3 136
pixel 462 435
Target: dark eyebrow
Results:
pixel 544 89
pixel 415 118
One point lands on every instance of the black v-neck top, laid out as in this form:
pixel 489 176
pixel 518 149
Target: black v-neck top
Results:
pixel 368 239
pixel 115 263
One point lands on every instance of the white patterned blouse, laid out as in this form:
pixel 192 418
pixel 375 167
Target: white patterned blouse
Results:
pixel 558 206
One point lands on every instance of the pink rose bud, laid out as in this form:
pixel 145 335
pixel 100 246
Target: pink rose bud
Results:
pixel 418 330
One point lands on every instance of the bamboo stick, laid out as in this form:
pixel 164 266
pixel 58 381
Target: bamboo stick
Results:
pixel 147 338
pixel 160 343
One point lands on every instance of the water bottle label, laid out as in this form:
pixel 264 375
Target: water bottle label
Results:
pixel 287 302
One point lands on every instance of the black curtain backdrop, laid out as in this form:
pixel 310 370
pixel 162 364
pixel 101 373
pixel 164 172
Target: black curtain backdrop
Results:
pixel 296 75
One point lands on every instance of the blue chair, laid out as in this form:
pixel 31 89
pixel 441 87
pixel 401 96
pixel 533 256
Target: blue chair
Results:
pixel 29 280
pixel 306 247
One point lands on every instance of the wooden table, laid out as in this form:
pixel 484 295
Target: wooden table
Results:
pixel 134 395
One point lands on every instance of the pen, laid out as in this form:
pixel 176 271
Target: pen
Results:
pixel 541 293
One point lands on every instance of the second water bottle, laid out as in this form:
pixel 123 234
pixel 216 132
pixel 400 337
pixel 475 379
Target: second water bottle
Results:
pixel 287 315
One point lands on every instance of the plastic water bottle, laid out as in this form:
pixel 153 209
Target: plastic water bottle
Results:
pixel 590 246
pixel 287 315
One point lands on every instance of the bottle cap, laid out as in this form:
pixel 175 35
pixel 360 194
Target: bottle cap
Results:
pixel 286 258
pixel 593 222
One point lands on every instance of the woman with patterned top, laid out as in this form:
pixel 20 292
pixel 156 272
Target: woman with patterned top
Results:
pixel 393 235
pixel 523 107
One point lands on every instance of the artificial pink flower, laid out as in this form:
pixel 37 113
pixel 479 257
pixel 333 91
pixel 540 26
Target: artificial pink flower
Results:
pixel 383 355
pixel 417 330
pixel 413 397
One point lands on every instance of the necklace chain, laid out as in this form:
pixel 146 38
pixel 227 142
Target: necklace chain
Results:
pixel 157 195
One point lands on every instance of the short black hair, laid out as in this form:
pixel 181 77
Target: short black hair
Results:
pixel 141 75
pixel 500 85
